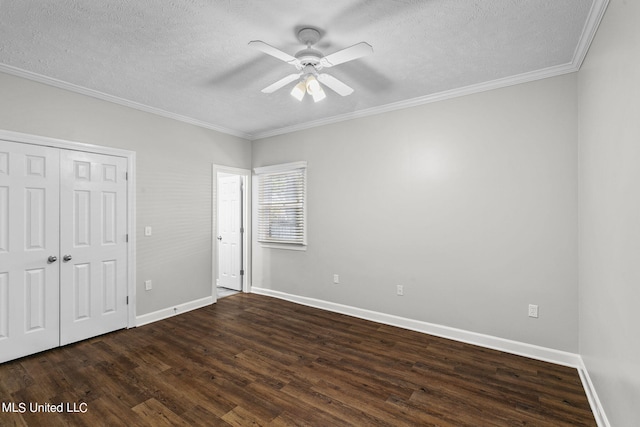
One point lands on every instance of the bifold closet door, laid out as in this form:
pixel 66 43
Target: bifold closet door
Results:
pixel 29 245
pixel 93 247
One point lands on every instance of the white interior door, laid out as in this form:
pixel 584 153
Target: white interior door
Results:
pixel 93 247
pixel 29 268
pixel 229 229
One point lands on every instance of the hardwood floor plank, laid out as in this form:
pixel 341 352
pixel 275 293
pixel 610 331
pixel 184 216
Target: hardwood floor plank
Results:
pixel 326 410
pixel 288 420
pixel 7 419
pixel 106 411
pixel 199 416
pixel 201 388
pixel 157 414
pixel 424 416
pixel 255 360
pixel 292 409
pixel 240 417
pixel 14 377
pixel 378 408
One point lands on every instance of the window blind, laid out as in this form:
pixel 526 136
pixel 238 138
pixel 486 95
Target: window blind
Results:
pixel 281 206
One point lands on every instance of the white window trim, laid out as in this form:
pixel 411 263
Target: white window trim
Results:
pixel 285 167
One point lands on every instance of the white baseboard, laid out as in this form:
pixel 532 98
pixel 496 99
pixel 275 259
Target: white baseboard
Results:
pixel 173 311
pixel 514 347
pixel 592 397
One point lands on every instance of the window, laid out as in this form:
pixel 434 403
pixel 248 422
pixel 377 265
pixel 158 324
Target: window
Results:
pixel 282 204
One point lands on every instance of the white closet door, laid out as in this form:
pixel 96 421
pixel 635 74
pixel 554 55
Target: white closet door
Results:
pixel 29 268
pixel 93 248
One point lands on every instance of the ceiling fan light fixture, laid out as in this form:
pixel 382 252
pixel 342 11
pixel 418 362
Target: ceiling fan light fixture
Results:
pixel 319 94
pixel 313 86
pixel 299 90
pixel 308 62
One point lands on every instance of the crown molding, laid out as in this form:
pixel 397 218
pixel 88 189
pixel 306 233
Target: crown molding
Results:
pixel 117 100
pixel 596 13
pixel 594 18
pixel 427 99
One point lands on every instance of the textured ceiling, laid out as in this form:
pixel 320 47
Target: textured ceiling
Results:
pixel 189 59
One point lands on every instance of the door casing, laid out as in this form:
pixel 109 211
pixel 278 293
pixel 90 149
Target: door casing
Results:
pixel 245 174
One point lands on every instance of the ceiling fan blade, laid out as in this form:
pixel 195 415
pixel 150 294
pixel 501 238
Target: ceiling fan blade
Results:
pixel 347 54
pixel 335 85
pixel 281 83
pixel 275 52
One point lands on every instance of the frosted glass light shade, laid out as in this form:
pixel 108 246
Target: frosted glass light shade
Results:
pixel 319 94
pixel 298 91
pixel 312 85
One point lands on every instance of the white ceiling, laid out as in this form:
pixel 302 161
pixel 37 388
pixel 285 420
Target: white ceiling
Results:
pixel 189 59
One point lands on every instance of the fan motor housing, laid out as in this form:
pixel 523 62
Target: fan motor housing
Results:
pixel 309 57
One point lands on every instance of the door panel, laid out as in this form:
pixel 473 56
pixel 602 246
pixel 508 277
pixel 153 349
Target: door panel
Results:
pixel 35 312
pixel 29 235
pixel 4 306
pixel 93 234
pixel 82 291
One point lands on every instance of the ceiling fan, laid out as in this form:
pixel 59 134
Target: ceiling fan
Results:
pixel 309 62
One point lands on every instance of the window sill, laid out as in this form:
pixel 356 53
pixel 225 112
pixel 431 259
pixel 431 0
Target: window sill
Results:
pixel 284 246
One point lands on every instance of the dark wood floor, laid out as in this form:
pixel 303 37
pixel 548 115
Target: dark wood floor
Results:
pixel 255 360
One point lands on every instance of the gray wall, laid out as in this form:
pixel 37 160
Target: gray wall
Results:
pixel 174 175
pixel 609 104
pixel 469 203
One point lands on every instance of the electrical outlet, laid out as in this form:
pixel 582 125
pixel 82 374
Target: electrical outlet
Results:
pixel 336 279
pixel 148 285
pixel 147 231
pixel 400 290
pixel 533 310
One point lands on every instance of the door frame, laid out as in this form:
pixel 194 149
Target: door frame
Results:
pixel 245 174
pixel 24 138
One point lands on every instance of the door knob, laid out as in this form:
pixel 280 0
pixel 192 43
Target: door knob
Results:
pixel 66 258
pixel 52 259
pixel 220 238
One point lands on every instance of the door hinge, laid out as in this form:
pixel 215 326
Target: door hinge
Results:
pixel 126 176
pixel 242 272
pixel 127 299
pixel 126 238
pixel 242 229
